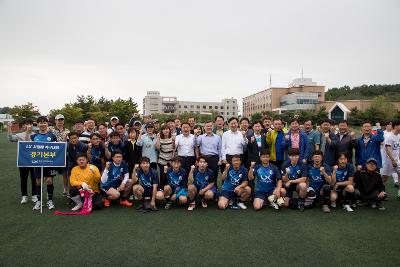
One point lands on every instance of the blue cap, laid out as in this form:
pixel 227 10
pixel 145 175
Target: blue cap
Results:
pixel 372 160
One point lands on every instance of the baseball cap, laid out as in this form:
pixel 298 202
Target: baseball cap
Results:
pixel 150 125
pixel 371 160
pixel 114 118
pixel 60 117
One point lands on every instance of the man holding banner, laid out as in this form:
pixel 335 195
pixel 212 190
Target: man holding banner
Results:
pixel 44 135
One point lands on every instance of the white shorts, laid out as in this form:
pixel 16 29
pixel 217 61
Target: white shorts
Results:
pixel 387 168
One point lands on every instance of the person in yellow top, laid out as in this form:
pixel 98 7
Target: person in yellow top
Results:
pixel 85 176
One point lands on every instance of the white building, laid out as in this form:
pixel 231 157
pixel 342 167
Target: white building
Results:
pixel 153 102
pixel 299 101
pixel 6 118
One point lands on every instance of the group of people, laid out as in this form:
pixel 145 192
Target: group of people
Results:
pixel 232 163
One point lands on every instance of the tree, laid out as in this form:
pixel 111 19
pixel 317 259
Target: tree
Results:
pixel 5 110
pixel 123 109
pixel 23 112
pixel 70 112
pixel 256 117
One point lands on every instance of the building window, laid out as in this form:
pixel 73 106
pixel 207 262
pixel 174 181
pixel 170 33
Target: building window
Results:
pixel 180 106
pixel 184 106
pixel 198 107
pixel 227 113
pixel 216 107
pixel 204 107
pixel 227 107
pixel 191 106
pixel 209 107
pixel 222 107
pixel 222 113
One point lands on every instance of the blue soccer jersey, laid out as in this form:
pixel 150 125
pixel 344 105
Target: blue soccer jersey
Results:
pixel 98 153
pixel 295 172
pixel 177 179
pixel 266 178
pixel 47 137
pixel 203 179
pixel 112 147
pixel 316 179
pixel 115 175
pixel 343 174
pixel 234 178
pixel 147 180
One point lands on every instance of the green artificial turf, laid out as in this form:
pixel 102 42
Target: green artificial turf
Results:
pixel 122 236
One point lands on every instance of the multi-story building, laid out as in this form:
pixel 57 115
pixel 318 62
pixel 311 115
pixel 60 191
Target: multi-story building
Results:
pixel 153 102
pixel 302 93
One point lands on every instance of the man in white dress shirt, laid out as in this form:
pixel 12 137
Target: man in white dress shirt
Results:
pixel 233 141
pixel 185 146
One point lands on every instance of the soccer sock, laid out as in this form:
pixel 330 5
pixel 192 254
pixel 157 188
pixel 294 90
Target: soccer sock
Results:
pixel 395 177
pixel 168 199
pixel 38 191
pixel 301 200
pixel 347 198
pixel 50 190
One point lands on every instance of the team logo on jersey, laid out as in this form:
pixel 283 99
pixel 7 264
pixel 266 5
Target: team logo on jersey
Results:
pixel 48 138
pixel 122 169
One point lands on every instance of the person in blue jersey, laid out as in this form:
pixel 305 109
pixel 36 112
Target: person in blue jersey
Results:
pixel 235 186
pixel 176 187
pixel 96 152
pixel 115 182
pixel 201 182
pixel 343 182
pixel 75 147
pixel 294 176
pixel 44 135
pixel 268 183
pixel 319 181
pixel 146 181
pixel 114 144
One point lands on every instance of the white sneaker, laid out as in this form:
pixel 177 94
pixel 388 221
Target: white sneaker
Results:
pixel 77 207
pixel 34 198
pixel 333 205
pixel 274 205
pixel 242 205
pixel 347 208
pixel 50 204
pixel 24 199
pixel 37 205
pixel 191 206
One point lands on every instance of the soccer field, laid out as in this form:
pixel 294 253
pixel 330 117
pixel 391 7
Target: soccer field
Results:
pixel 123 236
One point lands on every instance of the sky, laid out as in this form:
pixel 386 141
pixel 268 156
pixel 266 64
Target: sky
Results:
pixel 51 51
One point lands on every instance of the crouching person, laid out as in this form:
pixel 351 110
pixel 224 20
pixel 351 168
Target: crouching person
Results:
pixel 319 179
pixel 87 177
pixel 235 187
pixel 145 180
pixel 176 188
pixel 342 180
pixel 201 182
pixel 369 187
pixel 268 183
pixel 115 182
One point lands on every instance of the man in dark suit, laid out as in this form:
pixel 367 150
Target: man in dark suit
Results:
pixel 257 142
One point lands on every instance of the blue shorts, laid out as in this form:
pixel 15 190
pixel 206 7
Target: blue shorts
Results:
pixel 181 192
pixel 263 195
pixel 47 172
pixel 228 194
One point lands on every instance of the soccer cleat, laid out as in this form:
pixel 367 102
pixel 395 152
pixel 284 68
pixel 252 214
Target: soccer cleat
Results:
pixel 234 207
pixel 242 205
pixel 168 205
pixel 326 209
pixel 106 202
pixel 333 205
pixel 380 207
pixel 34 199
pixel 204 203
pixel 37 205
pixel 347 208
pixel 301 207
pixel 50 204
pixel 191 206
pixel 274 205
pixel 77 207
pixel 125 203
pixel 24 199
pixel 280 201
